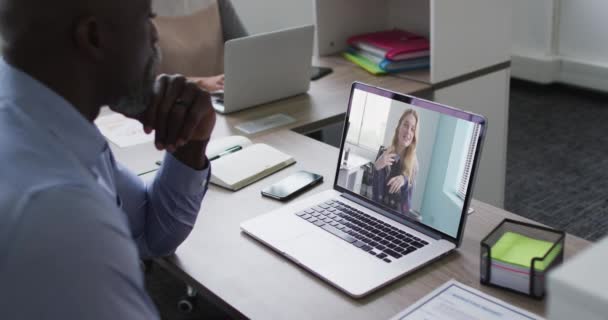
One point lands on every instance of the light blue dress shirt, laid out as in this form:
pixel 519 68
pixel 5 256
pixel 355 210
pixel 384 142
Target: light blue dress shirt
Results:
pixel 73 222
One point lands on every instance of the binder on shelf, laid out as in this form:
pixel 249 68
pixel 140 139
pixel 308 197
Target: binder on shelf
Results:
pixel 378 66
pixel 405 65
pixel 393 44
pixel 364 63
pixel 376 58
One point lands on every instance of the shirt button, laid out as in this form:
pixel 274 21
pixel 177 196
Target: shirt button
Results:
pixel 204 183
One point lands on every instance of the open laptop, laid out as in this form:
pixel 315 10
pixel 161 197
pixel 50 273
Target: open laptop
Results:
pixel 265 67
pixel 363 234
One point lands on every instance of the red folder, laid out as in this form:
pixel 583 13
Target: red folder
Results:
pixel 392 44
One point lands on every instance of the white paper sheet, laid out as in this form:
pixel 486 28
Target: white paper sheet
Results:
pixel 456 301
pixel 123 131
pixel 265 123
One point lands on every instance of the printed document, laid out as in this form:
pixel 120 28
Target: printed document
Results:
pixel 456 301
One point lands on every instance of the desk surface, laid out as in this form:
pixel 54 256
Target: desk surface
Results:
pixel 251 280
pixel 261 284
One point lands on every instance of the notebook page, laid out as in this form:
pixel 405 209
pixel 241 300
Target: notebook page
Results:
pixel 247 163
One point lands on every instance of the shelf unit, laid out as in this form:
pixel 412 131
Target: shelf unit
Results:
pixel 470 60
pixel 466 35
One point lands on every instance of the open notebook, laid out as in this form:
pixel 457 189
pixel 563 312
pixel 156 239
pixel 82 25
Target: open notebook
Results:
pixel 235 170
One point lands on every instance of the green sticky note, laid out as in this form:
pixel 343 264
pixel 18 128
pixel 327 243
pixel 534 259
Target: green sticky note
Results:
pixel 364 63
pixel 519 250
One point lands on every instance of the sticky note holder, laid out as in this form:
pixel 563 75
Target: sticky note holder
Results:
pixel 517 256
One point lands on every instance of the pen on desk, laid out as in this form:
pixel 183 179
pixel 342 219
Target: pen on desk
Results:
pixel 225 152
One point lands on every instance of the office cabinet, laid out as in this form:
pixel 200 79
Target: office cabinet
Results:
pixel 470 60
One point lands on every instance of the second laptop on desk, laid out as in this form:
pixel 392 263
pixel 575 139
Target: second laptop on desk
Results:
pixel 265 67
pixel 403 209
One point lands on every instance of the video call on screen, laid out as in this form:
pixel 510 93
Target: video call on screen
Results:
pixel 413 161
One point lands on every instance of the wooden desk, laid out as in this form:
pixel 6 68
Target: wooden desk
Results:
pixel 244 275
pixel 249 280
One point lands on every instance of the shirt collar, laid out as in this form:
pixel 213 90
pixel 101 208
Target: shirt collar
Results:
pixel 52 112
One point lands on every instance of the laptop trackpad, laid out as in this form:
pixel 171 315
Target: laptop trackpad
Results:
pixel 315 249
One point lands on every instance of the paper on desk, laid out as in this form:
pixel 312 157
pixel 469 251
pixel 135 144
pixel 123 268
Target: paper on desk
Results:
pixel 123 131
pixel 456 301
pixel 265 123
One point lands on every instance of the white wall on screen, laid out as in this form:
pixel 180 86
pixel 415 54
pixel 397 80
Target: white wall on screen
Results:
pixel 356 116
pixel 441 208
pixel 375 117
pixel 364 136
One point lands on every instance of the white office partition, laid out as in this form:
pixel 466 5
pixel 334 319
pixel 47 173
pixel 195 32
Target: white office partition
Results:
pixel 468 35
pixel 337 20
pixel 412 15
pixel 465 35
pixel 487 95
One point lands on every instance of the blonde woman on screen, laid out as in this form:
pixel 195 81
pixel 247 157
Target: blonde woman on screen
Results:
pixel 396 167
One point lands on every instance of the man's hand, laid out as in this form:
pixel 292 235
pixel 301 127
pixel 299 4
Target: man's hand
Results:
pixel 210 83
pixel 181 115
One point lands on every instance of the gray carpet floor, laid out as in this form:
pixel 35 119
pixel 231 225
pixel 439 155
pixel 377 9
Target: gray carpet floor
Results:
pixel 557 174
pixel 557 159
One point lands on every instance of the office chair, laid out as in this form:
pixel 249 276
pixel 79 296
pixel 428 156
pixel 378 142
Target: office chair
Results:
pixel 192 45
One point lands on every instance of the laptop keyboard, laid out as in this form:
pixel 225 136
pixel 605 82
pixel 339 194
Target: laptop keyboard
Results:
pixel 363 231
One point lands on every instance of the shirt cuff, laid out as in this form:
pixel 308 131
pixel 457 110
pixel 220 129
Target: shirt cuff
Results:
pixel 181 178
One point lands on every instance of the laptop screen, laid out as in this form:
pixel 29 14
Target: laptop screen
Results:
pixel 411 157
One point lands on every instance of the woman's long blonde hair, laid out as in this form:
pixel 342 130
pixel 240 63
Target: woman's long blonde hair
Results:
pixel 408 156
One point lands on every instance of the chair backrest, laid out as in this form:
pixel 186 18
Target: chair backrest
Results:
pixel 193 44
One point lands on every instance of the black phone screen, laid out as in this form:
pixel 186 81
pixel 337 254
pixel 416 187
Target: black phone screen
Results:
pixel 291 185
pixel 319 72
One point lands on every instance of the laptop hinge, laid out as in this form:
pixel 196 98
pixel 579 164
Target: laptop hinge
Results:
pixel 417 227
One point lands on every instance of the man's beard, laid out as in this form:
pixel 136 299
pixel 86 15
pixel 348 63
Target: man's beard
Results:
pixel 140 94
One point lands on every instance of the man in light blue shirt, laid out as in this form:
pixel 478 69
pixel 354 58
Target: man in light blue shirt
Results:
pixel 73 222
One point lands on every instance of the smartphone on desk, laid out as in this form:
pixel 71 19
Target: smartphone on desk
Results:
pixel 317 73
pixel 292 185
